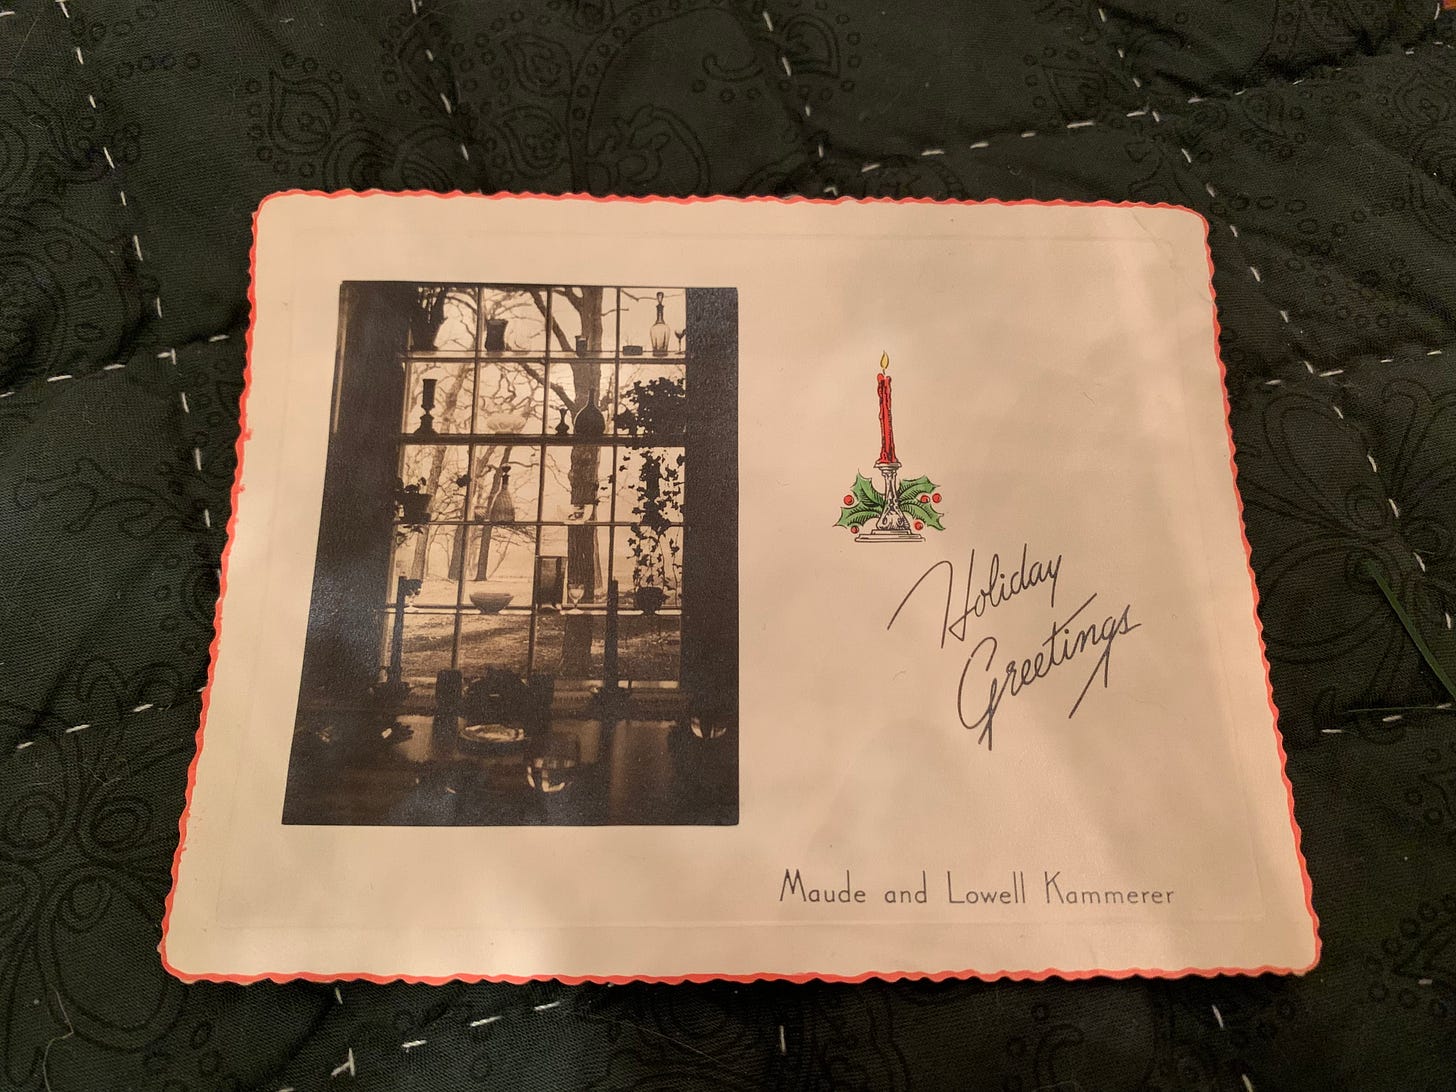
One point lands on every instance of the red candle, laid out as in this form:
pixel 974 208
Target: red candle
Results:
pixel 887 429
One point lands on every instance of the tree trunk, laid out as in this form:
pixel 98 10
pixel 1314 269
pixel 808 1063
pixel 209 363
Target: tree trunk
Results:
pixel 585 481
pixel 482 563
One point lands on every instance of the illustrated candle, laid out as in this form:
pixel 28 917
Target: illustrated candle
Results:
pixel 887 429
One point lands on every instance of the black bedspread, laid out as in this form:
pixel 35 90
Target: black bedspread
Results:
pixel 1317 136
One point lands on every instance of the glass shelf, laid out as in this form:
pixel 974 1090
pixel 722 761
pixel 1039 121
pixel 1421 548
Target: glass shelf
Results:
pixel 537 439
pixel 537 356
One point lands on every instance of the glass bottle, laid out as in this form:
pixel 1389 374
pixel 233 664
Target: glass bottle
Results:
pixel 659 332
pixel 502 507
pixel 590 421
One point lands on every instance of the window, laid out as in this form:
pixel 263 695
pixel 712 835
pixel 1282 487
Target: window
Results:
pixel 542 459
pixel 537 480
pixel 525 588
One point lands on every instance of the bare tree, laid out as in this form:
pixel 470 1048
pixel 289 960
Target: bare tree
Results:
pixel 584 405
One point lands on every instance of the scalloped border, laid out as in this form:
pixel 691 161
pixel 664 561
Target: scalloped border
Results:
pixel 807 976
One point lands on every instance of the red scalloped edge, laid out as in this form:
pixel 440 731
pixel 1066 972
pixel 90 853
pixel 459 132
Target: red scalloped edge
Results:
pixel 808 976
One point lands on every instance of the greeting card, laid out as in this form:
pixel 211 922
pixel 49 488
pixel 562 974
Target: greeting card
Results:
pixel 730 589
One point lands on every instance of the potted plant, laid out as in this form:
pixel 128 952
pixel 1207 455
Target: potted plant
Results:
pixel 655 562
pixel 657 408
pixel 412 503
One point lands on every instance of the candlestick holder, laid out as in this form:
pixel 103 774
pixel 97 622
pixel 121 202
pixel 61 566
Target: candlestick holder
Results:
pixel 892 525
pixel 427 404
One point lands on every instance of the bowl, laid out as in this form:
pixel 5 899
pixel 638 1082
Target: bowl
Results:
pixel 490 602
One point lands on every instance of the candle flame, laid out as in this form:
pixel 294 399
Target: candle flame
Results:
pixel 884 362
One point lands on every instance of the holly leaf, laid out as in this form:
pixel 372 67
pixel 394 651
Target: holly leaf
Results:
pixel 926 513
pixel 865 493
pixel 859 515
pixel 912 489
pixel 867 506
pixel 923 510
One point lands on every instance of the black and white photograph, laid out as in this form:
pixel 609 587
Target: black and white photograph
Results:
pixel 525 593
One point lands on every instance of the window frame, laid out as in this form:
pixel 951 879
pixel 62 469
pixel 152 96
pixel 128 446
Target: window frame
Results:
pixel 541 441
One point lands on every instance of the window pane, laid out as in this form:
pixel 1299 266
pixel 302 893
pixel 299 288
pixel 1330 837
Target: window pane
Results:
pixel 497 641
pixel 444 319
pixel 642 329
pixel 437 396
pixel 652 402
pixel 583 552
pixel 425 651
pixel 511 396
pixel 498 567
pixel 431 555
pixel 507 478
pixel 580 399
pixel 650 483
pixel 651 647
pixel 578 483
pixel 514 319
pixel 569 644
pixel 432 484
pixel 644 558
pixel 585 312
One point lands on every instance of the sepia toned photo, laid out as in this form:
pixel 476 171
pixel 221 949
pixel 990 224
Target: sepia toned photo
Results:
pixel 525 593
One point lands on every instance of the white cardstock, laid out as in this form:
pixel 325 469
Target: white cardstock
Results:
pixel 1010 717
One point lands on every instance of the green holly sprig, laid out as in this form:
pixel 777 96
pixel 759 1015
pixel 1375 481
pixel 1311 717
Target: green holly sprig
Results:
pixel 864 503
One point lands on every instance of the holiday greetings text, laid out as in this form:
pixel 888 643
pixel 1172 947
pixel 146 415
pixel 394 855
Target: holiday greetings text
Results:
pixel 1087 634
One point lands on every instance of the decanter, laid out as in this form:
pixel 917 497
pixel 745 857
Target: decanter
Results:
pixel 659 333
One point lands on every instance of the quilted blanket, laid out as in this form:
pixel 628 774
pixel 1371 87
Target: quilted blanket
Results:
pixel 1318 137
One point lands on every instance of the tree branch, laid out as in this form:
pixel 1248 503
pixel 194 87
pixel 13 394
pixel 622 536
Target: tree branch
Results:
pixel 556 389
pixel 555 328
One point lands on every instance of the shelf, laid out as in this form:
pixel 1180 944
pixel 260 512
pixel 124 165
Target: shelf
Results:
pixel 442 609
pixel 539 356
pixel 536 439
pixel 529 524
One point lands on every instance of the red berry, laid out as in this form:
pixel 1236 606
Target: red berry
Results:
pixel 924 498
pixel 849 500
pixel 919 526
pixel 935 498
pixel 854 530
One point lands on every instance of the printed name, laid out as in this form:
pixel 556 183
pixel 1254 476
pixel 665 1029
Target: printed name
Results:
pixel 1007 889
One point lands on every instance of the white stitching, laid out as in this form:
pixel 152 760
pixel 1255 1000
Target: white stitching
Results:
pixel 347 1066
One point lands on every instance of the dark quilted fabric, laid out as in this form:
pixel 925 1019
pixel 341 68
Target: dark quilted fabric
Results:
pixel 1317 136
